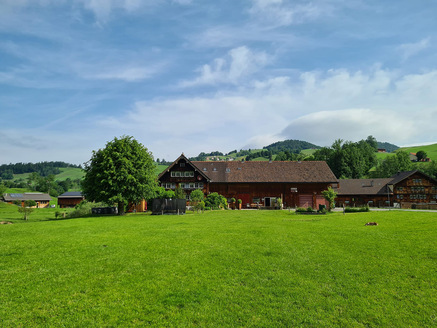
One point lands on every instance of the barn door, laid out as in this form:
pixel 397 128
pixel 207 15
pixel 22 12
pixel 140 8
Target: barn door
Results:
pixel 306 200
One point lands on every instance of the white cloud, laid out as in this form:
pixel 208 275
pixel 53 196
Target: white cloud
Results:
pixel 239 63
pixel 408 50
pixel 278 13
pixel 318 107
pixel 128 74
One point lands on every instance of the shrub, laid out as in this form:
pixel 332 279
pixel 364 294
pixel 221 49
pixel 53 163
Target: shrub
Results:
pixel 356 209
pixel 207 208
pixel 84 208
pixel 310 210
pixel 216 201
pixel 301 209
pixel 232 200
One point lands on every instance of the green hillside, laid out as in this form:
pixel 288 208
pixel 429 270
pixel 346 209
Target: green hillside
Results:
pixel 431 150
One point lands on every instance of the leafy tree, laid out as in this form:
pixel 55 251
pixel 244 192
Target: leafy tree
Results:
pixel 398 162
pixel 197 195
pixel 371 141
pixel 421 155
pixel 216 201
pixel 2 189
pixel 123 172
pixel 164 194
pixel 180 193
pixel 330 196
pixel 197 198
pixel 348 159
pixel 27 209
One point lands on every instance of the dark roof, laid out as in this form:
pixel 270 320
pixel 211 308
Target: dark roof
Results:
pixel 398 177
pixel 264 171
pixel 363 186
pixel 27 196
pixel 71 194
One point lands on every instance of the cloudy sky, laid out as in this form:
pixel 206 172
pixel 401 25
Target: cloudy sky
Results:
pixel 195 75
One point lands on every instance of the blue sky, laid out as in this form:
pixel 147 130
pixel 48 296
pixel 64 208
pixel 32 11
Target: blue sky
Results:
pixel 191 75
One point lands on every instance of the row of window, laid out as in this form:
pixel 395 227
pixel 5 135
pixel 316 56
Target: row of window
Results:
pixel 182 174
pixel 416 189
pixel 417 181
pixel 191 185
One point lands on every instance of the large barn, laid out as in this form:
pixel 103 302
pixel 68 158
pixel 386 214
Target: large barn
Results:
pixel 256 183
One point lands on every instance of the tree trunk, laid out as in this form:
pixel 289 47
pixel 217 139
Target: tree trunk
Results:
pixel 121 208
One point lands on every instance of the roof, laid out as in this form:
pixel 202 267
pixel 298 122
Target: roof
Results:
pixel 27 196
pixel 71 194
pixel 264 171
pixel 398 177
pixel 363 186
pixel 374 186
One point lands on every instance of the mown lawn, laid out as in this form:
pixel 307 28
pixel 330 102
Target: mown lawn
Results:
pixel 221 269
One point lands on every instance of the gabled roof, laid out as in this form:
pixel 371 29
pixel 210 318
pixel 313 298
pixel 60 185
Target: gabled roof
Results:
pixel 71 194
pixel 183 157
pixel 264 171
pixel 26 196
pixel 363 186
pixel 400 176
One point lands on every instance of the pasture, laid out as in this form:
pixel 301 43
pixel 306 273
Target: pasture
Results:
pixel 220 269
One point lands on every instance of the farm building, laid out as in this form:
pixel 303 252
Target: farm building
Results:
pixel 411 189
pixel 70 199
pixel 256 183
pixel 42 200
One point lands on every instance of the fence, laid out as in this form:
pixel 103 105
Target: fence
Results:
pixel 168 206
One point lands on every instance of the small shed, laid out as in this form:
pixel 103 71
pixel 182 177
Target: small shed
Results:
pixel 70 199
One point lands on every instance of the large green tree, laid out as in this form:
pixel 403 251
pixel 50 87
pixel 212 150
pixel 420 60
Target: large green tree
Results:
pixel 123 172
pixel 398 162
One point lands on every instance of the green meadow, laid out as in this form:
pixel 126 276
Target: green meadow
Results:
pixel 219 269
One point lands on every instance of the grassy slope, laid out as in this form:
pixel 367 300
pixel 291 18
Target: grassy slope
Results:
pixel 431 150
pixel 222 269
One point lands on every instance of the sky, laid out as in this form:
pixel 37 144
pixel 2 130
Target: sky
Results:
pixel 186 76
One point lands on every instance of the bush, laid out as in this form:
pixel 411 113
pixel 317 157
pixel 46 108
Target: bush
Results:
pixel 356 209
pixel 84 208
pixel 216 201
pixel 310 210
pixel 207 208
pixel 301 209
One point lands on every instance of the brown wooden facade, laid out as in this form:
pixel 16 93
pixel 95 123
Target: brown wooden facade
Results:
pixel 404 190
pixel 70 199
pixel 257 184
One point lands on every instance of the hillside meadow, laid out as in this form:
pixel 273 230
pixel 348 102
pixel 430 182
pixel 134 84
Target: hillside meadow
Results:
pixel 220 269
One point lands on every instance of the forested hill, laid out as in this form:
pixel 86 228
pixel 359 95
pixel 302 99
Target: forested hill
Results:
pixel 43 168
pixel 387 146
pixel 294 146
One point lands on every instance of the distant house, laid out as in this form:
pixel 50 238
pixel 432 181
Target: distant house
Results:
pixel 42 200
pixel 70 199
pixel 256 183
pixel 382 150
pixel 405 189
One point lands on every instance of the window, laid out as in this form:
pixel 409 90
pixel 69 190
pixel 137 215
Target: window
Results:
pixel 182 185
pixel 192 185
pixel 256 200
pixel 400 189
pixel 182 164
pixel 228 170
pixel 204 169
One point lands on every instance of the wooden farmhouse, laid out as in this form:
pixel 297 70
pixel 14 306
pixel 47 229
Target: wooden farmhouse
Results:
pixel 256 183
pixel 411 189
pixel 42 200
pixel 70 199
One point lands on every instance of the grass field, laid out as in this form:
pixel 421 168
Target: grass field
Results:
pixel 431 150
pixel 221 269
